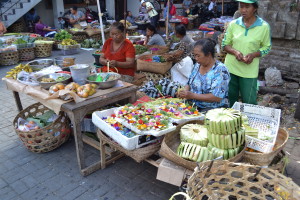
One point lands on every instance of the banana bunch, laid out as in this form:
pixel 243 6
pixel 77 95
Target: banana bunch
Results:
pixel 226 153
pixel 223 121
pixel 68 42
pixel 14 72
pixel 227 141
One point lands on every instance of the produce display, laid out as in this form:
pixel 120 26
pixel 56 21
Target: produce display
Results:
pixel 83 91
pixel 140 49
pixel 156 58
pixel 24 41
pixel 56 87
pixel 221 135
pixel 91 43
pixel 61 35
pixel 8 48
pixel 13 73
pixel 43 42
pixel 68 42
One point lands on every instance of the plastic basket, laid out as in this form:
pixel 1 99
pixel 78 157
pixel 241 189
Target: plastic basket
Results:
pixel 266 120
pixel 69 51
pixel 127 143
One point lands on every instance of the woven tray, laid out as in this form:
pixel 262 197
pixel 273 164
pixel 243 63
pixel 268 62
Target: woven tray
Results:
pixel 26 54
pixel 156 77
pixel 171 142
pixel 138 155
pixel 47 138
pixel 154 67
pixel 43 50
pixel 226 180
pixel 9 58
pixel 264 159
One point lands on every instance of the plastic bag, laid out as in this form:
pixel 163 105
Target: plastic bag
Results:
pixel 181 71
pixel 24 125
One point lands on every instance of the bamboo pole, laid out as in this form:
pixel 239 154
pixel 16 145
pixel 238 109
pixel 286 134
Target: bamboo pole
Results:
pixel 167 20
pixel 101 23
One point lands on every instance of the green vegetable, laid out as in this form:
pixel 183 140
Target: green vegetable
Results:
pixel 140 49
pixel 63 34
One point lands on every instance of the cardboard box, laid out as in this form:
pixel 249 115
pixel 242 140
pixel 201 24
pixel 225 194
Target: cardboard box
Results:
pixel 87 125
pixel 171 173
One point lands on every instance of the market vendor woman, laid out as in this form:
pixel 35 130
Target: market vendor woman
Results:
pixel 208 83
pixel 247 39
pixel 119 53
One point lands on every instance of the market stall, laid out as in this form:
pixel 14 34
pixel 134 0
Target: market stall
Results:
pixel 74 110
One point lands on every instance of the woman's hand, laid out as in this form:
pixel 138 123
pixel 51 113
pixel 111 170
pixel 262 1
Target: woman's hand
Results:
pixel 185 94
pixel 239 56
pixel 249 58
pixel 112 63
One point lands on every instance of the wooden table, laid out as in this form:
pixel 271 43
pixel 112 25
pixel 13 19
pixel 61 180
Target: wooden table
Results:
pixel 77 111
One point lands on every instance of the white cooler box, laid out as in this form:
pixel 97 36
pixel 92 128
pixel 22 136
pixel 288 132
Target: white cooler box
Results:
pixel 127 143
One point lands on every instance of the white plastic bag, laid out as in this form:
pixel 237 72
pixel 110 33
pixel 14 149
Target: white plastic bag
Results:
pixel 181 71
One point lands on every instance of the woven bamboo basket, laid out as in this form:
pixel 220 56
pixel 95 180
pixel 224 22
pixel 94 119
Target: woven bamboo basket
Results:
pixel 154 67
pixel 26 54
pixel 138 155
pixel 47 138
pixel 43 50
pixel 156 77
pixel 280 162
pixel 264 159
pixel 171 142
pixel 225 180
pixel 79 37
pixel 96 37
pixel 161 49
pixel 9 58
pixel 17 27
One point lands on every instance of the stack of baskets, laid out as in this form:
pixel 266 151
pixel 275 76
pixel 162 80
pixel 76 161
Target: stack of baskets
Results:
pixel 43 50
pixel 47 138
pixel 26 53
pixel 9 58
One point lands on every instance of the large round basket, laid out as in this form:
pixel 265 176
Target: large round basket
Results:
pixel 26 53
pixel 280 162
pixel 158 50
pixel 225 180
pixel 43 50
pixel 138 155
pixel 264 159
pixel 47 138
pixel 171 142
pixel 154 67
pixel 9 58
pixel 17 27
pixel 79 37
pixel 156 77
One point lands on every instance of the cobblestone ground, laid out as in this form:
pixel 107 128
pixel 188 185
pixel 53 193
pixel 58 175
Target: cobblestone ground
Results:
pixel 55 175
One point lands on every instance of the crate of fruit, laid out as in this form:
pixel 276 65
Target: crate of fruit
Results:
pixel 128 139
pixel 263 123
pixel 68 47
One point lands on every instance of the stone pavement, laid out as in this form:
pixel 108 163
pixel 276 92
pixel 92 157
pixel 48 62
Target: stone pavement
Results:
pixel 55 175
